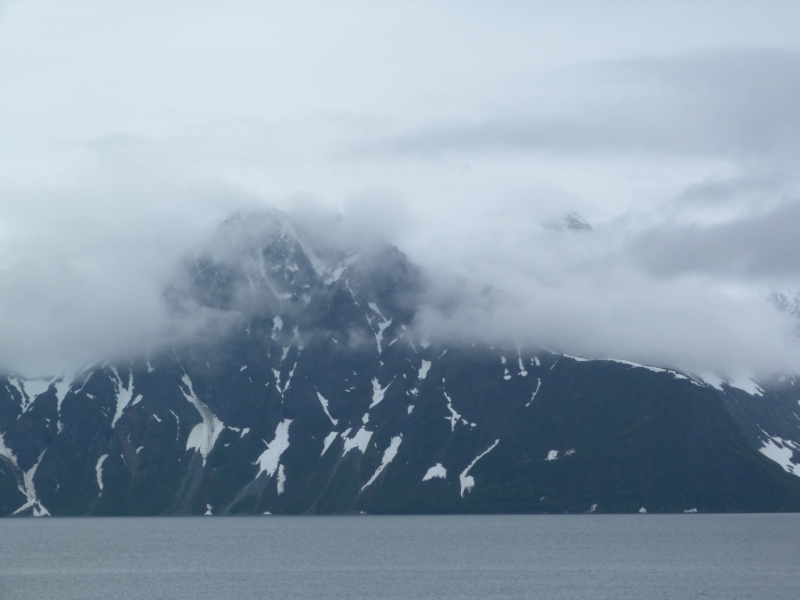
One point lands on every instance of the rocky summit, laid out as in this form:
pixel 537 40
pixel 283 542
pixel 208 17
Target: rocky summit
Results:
pixel 302 387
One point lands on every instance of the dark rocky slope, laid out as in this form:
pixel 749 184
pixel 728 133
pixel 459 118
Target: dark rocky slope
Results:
pixel 313 396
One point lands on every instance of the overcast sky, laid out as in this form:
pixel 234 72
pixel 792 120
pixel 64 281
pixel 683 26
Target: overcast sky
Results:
pixel 460 130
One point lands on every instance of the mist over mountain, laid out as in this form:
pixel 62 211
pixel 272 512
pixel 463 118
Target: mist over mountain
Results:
pixel 573 288
pixel 297 379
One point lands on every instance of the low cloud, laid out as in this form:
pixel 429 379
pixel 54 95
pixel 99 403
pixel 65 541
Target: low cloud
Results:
pixel 126 145
pixel 735 104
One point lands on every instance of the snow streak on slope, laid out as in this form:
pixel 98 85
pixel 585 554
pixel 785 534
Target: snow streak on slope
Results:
pixel 269 461
pixel 536 391
pixel 277 375
pixel 281 479
pixel 522 371
pixel 62 387
pixel 98 469
pixel 328 441
pixel 388 456
pixel 204 435
pixel 382 325
pixel 124 394
pixel 324 403
pixel 454 417
pixel 467 481
pixel 29 490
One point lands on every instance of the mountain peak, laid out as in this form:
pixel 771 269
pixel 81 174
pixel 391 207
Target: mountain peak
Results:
pixel 575 222
pixel 572 221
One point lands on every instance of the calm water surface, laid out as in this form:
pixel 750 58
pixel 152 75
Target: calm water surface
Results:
pixel 481 557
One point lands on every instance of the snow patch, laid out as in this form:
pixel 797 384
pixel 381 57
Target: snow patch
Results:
pixel 378 392
pixel 423 370
pixel 204 435
pixel 467 481
pixel 375 308
pixel 360 440
pixel 277 375
pixel 29 490
pixel 5 452
pixel 379 335
pixel 277 325
pixel 98 469
pixel 746 384
pixel 33 388
pixel 782 452
pixel 388 456
pixel 436 470
pixel 637 365
pixel 281 479
pixel 713 380
pixel 124 394
pixel 454 417
pixel 324 404
pixel 536 391
pixel 62 387
pixel 522 371
pixel 328 441
pixel 23 398
pixel 269 460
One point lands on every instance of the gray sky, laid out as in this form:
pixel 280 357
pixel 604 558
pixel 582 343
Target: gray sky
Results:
pixel 457 129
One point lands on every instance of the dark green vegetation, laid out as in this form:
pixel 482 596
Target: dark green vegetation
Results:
pixel 203 427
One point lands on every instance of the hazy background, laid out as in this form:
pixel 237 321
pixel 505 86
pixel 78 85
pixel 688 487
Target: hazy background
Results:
pixel 457 130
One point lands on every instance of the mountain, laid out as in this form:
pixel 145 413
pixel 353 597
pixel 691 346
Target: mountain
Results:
pixel 300 386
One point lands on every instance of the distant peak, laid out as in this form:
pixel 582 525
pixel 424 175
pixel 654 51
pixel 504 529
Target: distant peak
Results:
pixel 571 221
pixel 575 222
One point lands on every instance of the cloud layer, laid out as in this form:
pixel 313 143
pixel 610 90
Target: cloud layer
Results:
pixel 457 133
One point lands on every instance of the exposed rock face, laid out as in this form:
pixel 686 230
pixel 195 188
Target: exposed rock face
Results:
pixel 314 396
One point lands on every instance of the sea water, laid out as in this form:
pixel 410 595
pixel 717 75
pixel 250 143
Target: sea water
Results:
pixel 408 557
